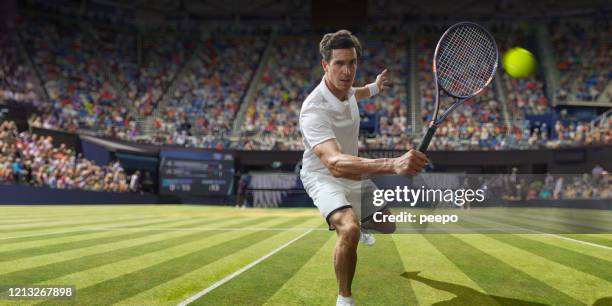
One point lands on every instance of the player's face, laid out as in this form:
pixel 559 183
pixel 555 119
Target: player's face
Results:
pixel 341 69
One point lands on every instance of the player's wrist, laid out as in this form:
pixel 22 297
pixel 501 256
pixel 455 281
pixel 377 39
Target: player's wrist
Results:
pixel 373 88
pixel 394 165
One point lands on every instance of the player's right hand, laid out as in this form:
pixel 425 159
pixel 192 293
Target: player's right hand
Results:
pixel 382 80
pixel 412 162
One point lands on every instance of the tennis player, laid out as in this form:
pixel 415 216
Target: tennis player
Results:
pixel 332 172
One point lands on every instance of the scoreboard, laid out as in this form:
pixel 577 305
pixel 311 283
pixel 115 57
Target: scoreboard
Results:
pixel 194 173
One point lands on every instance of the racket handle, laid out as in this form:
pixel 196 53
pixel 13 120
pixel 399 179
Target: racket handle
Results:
pixel 427 138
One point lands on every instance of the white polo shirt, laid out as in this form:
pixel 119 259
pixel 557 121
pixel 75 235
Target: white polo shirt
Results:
pixel 324 117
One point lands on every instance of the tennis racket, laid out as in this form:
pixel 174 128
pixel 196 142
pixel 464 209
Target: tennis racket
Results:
pixel 464 64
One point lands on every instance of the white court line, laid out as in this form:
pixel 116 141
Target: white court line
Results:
pixel 245 268
pixel 297 229
pixel 119 228
pixel 81 229
pixel 45 234
pixel 552 235
pixel 74 223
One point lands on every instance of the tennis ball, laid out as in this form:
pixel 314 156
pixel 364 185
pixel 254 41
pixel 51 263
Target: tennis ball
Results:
pixel 519 62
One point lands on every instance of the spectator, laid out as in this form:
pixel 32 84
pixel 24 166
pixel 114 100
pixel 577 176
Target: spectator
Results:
pixel 29 159
pixel 135 182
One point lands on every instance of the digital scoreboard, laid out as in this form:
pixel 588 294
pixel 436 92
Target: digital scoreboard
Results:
pixel 196 173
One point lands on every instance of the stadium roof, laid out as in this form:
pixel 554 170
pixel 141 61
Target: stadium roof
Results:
pixel 379 8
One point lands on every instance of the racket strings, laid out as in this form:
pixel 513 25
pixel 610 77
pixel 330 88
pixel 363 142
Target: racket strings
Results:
pixel 465 60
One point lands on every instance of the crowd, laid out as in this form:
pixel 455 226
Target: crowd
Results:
pixel 164 56
pixel 582 49
pixel 118 51
pixel 564 133
pixel 77 63
pixel 203 107
pixel 271 118
pixel 16 81
pixel 572 133
pixel 524 95
pixel 31 159
pixel 597 185
pixel 80 94
pixel 389 110
pixel 87 71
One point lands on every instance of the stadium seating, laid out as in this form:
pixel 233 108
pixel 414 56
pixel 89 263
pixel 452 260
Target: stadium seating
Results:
pixel 99 83
pixel 165 55
pixel 31 159
pixel 291 72
pixel 582 50
pixel 80 95
pixel 526 95
pixel 388 110
pixel 16 80
pixel 202 109
pixel 567 187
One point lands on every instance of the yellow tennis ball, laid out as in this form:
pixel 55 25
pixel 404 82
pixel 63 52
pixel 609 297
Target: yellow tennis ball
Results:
pixel 519 62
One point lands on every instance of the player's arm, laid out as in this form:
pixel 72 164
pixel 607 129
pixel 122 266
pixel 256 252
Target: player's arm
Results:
pixel 358 168
pixel 372 89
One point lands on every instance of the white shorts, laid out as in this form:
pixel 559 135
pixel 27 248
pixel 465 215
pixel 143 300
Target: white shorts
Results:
pixel 331 194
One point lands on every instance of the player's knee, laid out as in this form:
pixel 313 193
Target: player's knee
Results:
pixel 349 233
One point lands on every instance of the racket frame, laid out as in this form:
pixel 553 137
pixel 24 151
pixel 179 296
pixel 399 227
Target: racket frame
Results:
pixel 435 121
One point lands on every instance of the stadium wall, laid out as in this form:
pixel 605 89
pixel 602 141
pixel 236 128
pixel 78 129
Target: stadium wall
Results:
pixel 556 161
pixel 71 140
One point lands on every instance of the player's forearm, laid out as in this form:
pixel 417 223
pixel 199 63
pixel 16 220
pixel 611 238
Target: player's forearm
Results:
pixel 362 93
pixel 352 167
pixel 366 91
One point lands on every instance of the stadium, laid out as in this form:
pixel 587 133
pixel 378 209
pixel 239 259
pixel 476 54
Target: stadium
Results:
pixel 164 152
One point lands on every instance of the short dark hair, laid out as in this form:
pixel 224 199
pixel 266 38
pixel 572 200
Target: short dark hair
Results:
pixel 342 39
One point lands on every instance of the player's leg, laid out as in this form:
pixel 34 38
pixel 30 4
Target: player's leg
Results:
pixel 346 224
pixel 330 197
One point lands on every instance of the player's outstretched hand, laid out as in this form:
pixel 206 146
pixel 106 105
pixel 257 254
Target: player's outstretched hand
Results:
pixel 412 162
pixel 382 80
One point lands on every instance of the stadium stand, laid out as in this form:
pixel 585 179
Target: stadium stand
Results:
pixel 291 72
pixel 17 82
pixel 165 54
pixel 201 111
pixel 73 75
pixel 526 95
pixel 384 118
pixel 31 159
pixel 105 81
pixel 582 50
pixel 567 187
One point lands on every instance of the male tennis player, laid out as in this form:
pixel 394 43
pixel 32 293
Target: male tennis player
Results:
pixel 331 172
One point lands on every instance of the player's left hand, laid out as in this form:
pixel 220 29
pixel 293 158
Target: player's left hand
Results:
pixel 382 80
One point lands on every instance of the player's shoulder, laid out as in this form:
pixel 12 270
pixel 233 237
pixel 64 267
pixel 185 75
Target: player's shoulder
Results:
pixel 316 101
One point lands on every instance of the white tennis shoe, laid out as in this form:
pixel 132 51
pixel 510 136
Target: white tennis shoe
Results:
pixel 345 301
pixel 367 237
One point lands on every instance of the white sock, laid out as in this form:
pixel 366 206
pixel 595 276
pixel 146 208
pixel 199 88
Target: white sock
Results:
pixel 345 299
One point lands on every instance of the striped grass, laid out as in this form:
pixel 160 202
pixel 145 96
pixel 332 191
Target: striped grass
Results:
pixel 162 255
